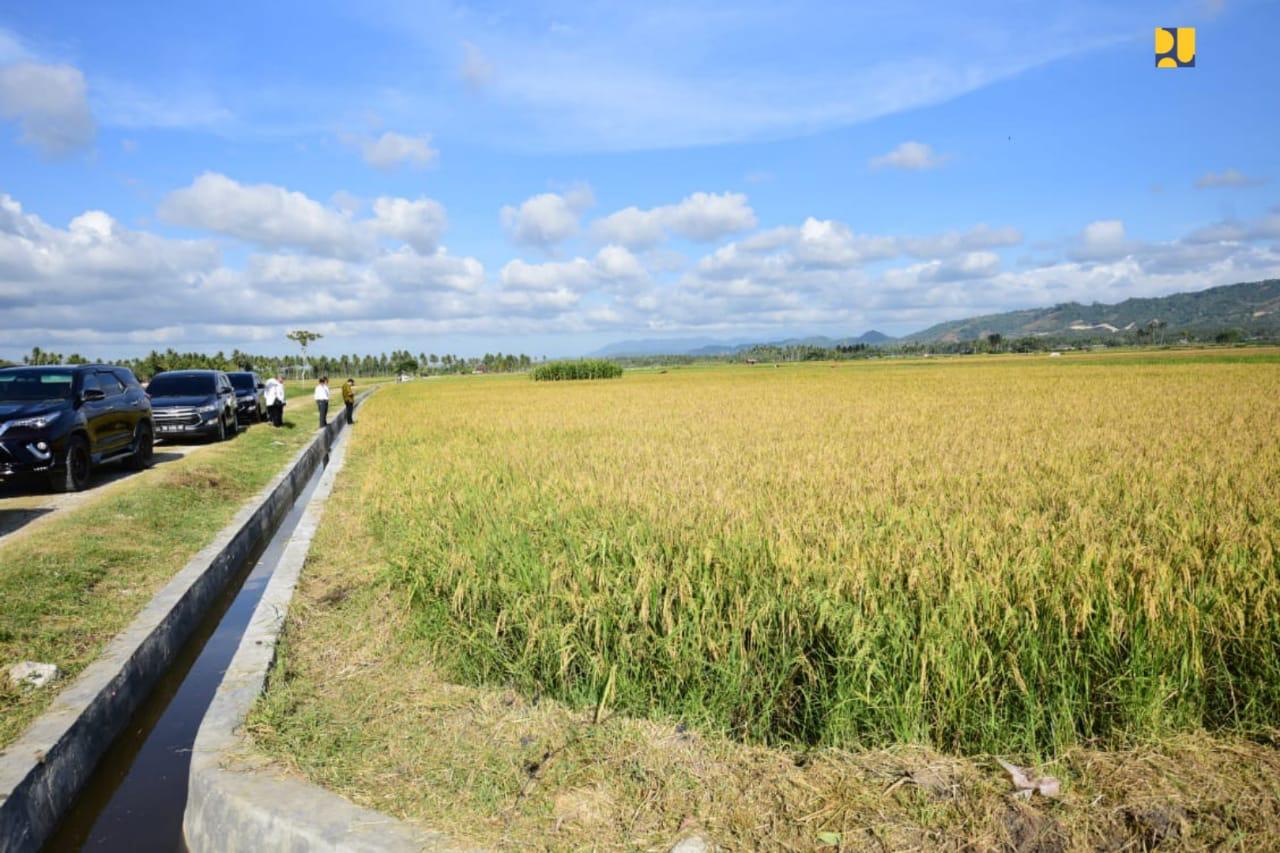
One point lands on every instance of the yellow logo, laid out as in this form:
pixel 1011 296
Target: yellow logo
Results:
pixel 1175 47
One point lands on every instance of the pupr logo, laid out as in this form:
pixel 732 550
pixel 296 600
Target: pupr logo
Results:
pixel 1175 47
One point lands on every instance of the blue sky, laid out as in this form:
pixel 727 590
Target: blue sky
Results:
pixel 547 177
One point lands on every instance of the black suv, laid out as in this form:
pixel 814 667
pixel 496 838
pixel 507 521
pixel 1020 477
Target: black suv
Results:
pixel 251 403
pixel 62 421
pixel 193 403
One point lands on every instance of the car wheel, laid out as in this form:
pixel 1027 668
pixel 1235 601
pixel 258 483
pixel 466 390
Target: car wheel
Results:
pixel 222 429
pixel 143 448
pixel 235 423
pixel 76 466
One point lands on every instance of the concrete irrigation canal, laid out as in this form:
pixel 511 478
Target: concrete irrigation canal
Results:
pixel 135 799
pixel 107 767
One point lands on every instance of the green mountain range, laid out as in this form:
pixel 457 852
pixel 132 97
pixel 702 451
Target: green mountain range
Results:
pixel 1251 307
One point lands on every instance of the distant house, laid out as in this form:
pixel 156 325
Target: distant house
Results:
pixel 480 368
pixel 751 361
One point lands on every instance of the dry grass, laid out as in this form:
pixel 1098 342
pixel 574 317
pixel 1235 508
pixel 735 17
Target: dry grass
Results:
pixel 1082 509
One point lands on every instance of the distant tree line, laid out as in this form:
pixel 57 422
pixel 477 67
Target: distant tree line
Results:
pixel 382 364
pixel 1155 334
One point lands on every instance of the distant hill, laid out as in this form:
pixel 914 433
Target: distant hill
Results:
pixel 667 346
pixel 1251 307
pixel 872 337
pixel 711 347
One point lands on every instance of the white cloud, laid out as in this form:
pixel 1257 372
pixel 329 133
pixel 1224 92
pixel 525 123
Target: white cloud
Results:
pixel 591 83
pixel 96 280
pixel 708 216
pixel 1266 227
pixel 476 69
pixel 1103 240
pixel 818 273
pixel 94 256
pixel 612 267
pixel 264 214
pixel 126 104
pixel 981 236
pixel 576 274
pixel 418 223
pixel 966 267
pixel 701 216
pixel 538 302
pixel 616 263
pixel 378 269
pixel 50 105
pixel 547 219
pixel 1231 178
pixel 275 217
pixel 816 244
pixel 300 275
pixel 915 156
pixel 827 244
pixel 348 203
pixel 438 271
pixel 391 150
pixel 11 49
pixel 630 226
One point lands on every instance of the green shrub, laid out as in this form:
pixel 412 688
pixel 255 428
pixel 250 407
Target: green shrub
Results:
pixel 587 368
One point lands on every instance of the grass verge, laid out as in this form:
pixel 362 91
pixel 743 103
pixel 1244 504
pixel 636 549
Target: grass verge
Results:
pixel 69 587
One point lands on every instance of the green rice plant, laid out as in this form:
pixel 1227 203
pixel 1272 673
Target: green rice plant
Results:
pixel 586 368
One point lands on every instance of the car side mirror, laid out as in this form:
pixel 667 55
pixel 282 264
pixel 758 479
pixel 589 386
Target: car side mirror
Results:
pixel 261 386
pixel 88 395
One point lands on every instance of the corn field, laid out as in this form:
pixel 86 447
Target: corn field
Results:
pixel 991 555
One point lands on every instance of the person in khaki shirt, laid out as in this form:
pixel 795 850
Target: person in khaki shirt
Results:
pixel 349 399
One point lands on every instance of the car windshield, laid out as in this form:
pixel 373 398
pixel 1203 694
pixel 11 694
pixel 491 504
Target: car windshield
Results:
pixel 180 385
pixel 26 386
pixel 243 381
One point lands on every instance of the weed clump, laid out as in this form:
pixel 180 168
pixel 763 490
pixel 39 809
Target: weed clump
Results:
pixel 587 368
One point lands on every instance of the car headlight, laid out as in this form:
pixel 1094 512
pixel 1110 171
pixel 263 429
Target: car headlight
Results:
pixel 209 410
pixel 38 422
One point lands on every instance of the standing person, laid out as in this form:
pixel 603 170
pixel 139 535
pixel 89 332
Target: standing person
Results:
pixel 322 400
pixel 274 397
pixel 349 399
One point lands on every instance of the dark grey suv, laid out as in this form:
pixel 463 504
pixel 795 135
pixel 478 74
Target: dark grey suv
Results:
pixel 251 404
pixel 63 421
pixel 193 404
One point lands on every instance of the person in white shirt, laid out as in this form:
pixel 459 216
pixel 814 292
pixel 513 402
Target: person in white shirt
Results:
pixel 322 400
pixel 274 398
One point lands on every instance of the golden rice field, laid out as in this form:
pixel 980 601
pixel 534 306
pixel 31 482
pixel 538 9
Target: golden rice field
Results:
pixel 982 555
